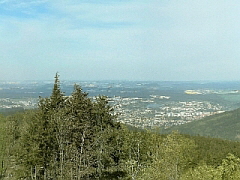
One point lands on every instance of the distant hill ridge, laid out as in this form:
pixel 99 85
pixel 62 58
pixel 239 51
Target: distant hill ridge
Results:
pixel 225 125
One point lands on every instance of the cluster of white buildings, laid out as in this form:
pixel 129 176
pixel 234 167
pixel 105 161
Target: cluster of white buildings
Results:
pixel 151 112
pixel 7 103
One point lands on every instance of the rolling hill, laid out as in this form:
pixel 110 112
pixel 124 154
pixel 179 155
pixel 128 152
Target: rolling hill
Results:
pixel 225 125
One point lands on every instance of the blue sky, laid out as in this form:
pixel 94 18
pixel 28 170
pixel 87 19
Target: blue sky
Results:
pixel 179 40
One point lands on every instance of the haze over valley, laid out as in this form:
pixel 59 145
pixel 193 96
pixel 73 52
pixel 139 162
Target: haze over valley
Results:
pixel 143 104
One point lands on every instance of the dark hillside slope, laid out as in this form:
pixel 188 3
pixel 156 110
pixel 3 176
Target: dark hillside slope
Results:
pixel 225 125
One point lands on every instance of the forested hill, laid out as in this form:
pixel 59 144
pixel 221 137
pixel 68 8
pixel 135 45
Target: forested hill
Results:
pixel 225 125
pixel 77 138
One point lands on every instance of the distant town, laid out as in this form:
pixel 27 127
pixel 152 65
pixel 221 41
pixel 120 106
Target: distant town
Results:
pixel 140 104
pixel 142 113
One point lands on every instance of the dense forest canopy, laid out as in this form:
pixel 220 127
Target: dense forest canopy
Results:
pixel 225 125
pixel 77 137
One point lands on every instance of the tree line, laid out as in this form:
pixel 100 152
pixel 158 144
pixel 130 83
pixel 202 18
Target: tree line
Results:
pixel 77 137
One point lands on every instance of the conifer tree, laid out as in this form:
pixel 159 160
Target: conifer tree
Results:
pixel 57 96
pixel 71 137
pixel 39 143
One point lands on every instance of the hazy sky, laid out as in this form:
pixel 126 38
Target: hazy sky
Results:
pixel 120 39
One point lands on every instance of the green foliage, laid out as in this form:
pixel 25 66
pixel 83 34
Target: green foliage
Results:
pixel 140 148
pixel 202 172
pixel 171 159
pixel 229 169
pixel 90 147
pixel 77 137
pixel 213 150
pixel 68 137
pixel 3 143
pixel 225 125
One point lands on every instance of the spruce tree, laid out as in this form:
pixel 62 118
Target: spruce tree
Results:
pixel 39 144
pixel 72 137
pixel 57 96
